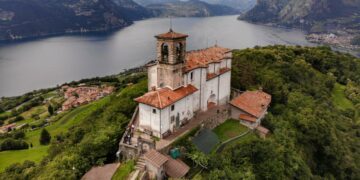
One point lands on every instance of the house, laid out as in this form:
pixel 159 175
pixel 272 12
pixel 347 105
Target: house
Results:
pixel 159 166
pixel 7 128
pixel 250 107
pixel 182 83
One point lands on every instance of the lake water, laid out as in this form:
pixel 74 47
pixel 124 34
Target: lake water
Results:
pixel 43 63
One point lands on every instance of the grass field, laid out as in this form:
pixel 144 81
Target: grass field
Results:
pixel 124 170
pixel 72 118
pixel 229 129
pixel 339 98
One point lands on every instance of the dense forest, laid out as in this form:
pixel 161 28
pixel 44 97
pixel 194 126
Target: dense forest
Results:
pixel 315 134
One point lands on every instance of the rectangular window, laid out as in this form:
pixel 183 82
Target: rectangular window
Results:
pixel 172 107
pixel 191 76
pixel 172 119
pixel 154 111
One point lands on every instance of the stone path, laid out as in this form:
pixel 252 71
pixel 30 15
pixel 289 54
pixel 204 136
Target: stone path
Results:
pixel 101 172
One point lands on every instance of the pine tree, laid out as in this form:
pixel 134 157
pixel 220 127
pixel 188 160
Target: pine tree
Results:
pixel 45 137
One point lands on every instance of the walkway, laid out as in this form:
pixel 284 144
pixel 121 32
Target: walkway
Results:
pixel 101 172
pixel 212 117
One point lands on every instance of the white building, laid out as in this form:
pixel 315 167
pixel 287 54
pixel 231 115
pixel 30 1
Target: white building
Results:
pixel 182 83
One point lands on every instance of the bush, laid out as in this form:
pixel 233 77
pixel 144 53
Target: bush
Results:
pixel 13 144
pixel 45 137
pixel 16 119
pixel 18 135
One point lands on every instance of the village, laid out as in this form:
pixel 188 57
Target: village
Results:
pixel 66 97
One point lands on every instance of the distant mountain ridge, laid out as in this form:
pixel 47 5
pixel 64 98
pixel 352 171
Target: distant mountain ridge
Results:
pixel 32 18
pixel 241 5
pixel 191 8
pixel 305 13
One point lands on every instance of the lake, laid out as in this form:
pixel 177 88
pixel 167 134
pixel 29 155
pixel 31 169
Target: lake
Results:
pixel 47 62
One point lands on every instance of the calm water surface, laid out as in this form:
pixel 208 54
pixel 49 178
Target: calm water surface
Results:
pixel 43 63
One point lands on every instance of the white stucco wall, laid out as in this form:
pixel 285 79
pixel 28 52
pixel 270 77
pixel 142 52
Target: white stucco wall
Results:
pixel 148 120
pixel 152 77
pixel 225 88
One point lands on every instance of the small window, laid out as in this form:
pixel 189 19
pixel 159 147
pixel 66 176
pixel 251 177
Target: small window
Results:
pixel 154 111
pixel 172 107
pixel 172 119
pixel 192 76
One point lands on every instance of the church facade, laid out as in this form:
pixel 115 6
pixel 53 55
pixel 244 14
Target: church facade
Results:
pixel 182 83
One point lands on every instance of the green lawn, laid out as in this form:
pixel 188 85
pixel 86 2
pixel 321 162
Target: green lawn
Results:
pixel 62 125
pixel 34 154
pixel 248 137
pixel 229 129
pixel 124 170
pixel 339 98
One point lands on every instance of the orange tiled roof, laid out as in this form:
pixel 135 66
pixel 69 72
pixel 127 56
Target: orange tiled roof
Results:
pixel 155 158
pixel 262 129
pixel 247 118
pixel 171 35
pixel 164 97
pixel 203 57
pixel 175 168
pixel 252 102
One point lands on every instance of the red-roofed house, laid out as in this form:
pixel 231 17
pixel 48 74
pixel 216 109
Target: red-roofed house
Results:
pixel 182 83
pixel 160 166
pixel 250 107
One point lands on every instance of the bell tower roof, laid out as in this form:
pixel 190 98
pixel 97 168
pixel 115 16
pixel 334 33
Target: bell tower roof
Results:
pixel 171 35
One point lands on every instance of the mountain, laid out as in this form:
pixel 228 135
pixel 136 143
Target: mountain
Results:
pixel 32 18
pixel 191 8
pixel 306 13
pixel 148 2
pixel 241 5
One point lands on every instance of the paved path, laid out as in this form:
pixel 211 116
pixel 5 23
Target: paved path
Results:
pixel 101 172
pixel 222 145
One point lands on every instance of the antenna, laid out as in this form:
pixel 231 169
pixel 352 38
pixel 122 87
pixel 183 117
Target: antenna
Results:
pixel 171 24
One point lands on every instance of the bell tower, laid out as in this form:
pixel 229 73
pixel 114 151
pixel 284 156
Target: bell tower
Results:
pixel 171 50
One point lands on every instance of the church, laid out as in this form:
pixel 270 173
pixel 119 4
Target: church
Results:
pixel 182 83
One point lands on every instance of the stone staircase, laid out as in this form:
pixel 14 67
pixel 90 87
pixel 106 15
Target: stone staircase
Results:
pixel 140 164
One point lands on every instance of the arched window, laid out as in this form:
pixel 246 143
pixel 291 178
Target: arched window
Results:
pixel 165 52
pixel 179 49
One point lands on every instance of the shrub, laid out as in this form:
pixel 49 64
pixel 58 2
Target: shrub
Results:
pixel 18 135
pixel 45 137
pixel 16 119
pixel 13 144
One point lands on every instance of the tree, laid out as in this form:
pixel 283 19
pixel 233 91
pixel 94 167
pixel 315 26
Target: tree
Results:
pixel 45 137
pixel 50 110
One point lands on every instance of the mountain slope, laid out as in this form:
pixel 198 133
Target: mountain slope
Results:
pixel 191 8
pixel 241 5
pixel 301 12
pixel 33 18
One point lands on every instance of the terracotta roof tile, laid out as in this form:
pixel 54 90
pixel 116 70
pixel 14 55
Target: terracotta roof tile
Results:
pixel 155 158
pixel 252 102
pixel 164 97
pixel 247 118
pixel 262 129
pixel 203 57
pixel 175 168
pixel 171 35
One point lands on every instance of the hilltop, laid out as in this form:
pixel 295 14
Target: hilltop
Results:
pixel 313 120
